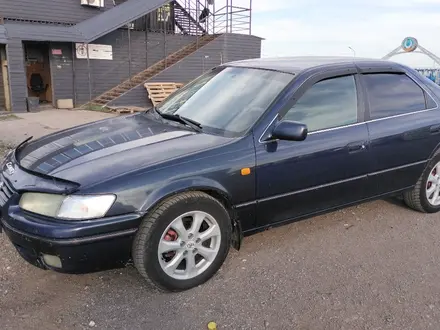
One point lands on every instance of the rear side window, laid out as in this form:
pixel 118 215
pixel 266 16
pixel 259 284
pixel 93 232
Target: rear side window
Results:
pixel 393 94
pixel 327 104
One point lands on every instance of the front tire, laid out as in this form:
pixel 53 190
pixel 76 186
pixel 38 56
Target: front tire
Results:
pixel 425 196
pixel 183 242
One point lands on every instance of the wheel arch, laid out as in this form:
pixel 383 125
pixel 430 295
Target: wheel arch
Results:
pixel 205 185
pixel 434 153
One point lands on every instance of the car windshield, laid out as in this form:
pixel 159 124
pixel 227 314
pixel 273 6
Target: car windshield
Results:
pixel 227 100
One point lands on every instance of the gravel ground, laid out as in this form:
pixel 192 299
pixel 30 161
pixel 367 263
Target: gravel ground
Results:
pixel 372 266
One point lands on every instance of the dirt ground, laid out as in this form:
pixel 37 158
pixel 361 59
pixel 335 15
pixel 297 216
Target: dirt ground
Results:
pixel 373 266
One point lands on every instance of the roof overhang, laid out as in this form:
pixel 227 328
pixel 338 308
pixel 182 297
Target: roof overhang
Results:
pixel 115 18
pixel 41 32
pixel 85 31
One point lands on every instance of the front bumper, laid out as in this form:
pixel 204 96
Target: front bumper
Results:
pixel 82 246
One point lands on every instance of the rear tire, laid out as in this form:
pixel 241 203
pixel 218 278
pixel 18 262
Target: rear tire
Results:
pixel 180 226
pixel 422 197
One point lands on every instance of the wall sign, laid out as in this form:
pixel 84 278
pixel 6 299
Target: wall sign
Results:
pixel 57 52
pixel 409 44
pixel 96 52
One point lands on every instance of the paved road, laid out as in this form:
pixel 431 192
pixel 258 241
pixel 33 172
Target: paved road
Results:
pixel 373 266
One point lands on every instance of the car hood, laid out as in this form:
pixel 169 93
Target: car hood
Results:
pixel 93 152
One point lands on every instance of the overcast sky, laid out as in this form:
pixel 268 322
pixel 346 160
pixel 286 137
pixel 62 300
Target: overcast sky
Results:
pixel 328 27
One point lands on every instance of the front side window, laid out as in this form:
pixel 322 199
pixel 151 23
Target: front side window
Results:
pixel 327 104
pixel 391 94
pixel 228 100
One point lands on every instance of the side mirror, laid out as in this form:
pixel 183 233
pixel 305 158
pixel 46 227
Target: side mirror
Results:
pixel 290 131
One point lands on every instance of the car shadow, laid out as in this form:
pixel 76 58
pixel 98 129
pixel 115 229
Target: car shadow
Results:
pixel 398 201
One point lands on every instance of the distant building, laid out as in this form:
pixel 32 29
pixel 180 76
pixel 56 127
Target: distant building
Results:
pixel 103 51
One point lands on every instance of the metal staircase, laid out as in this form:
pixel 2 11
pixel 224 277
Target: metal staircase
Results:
pixel 184 19
pixel 185 22
pixel 150 72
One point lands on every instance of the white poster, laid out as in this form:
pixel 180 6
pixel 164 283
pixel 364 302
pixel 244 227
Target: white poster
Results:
pixel 96 52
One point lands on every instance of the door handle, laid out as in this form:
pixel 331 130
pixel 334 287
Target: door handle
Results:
pixel 434 129
pixel 356 147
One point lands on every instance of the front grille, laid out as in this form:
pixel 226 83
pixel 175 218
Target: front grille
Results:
pixel 6 191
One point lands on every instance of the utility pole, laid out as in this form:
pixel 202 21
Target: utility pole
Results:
pixel 354 52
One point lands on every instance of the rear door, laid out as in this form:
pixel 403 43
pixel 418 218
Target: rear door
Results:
pixel 404 128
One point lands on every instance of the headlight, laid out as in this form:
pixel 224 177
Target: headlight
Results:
pixel 73 207
pixel 44 204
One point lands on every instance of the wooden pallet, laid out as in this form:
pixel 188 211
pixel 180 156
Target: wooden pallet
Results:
pixel 157 92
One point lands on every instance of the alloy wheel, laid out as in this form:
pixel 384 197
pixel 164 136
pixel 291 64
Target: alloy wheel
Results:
pixel 433 186
pixel 189 245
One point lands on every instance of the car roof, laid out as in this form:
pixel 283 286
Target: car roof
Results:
pixel 295 65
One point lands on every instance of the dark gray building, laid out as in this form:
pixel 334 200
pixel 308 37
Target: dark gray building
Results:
pixel 103 51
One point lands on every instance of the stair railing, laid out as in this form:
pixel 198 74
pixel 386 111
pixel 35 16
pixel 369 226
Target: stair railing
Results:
pixel 221 19
pixel 180 51
pixel 195 8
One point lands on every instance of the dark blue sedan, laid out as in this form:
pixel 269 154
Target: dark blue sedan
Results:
pixel 246 146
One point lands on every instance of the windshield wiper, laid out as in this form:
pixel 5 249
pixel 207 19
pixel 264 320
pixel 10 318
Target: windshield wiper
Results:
pixel 195 125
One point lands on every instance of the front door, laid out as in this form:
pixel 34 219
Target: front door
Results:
pixel 329 168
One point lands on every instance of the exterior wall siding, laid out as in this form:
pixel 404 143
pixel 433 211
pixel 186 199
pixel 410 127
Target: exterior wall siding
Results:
pixel 146 49
pixel 67 11
pixel 241 47
pixel 2 33
pixel 226 48
pixel 17 75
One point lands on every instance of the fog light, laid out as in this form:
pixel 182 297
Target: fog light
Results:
pixel 52 261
